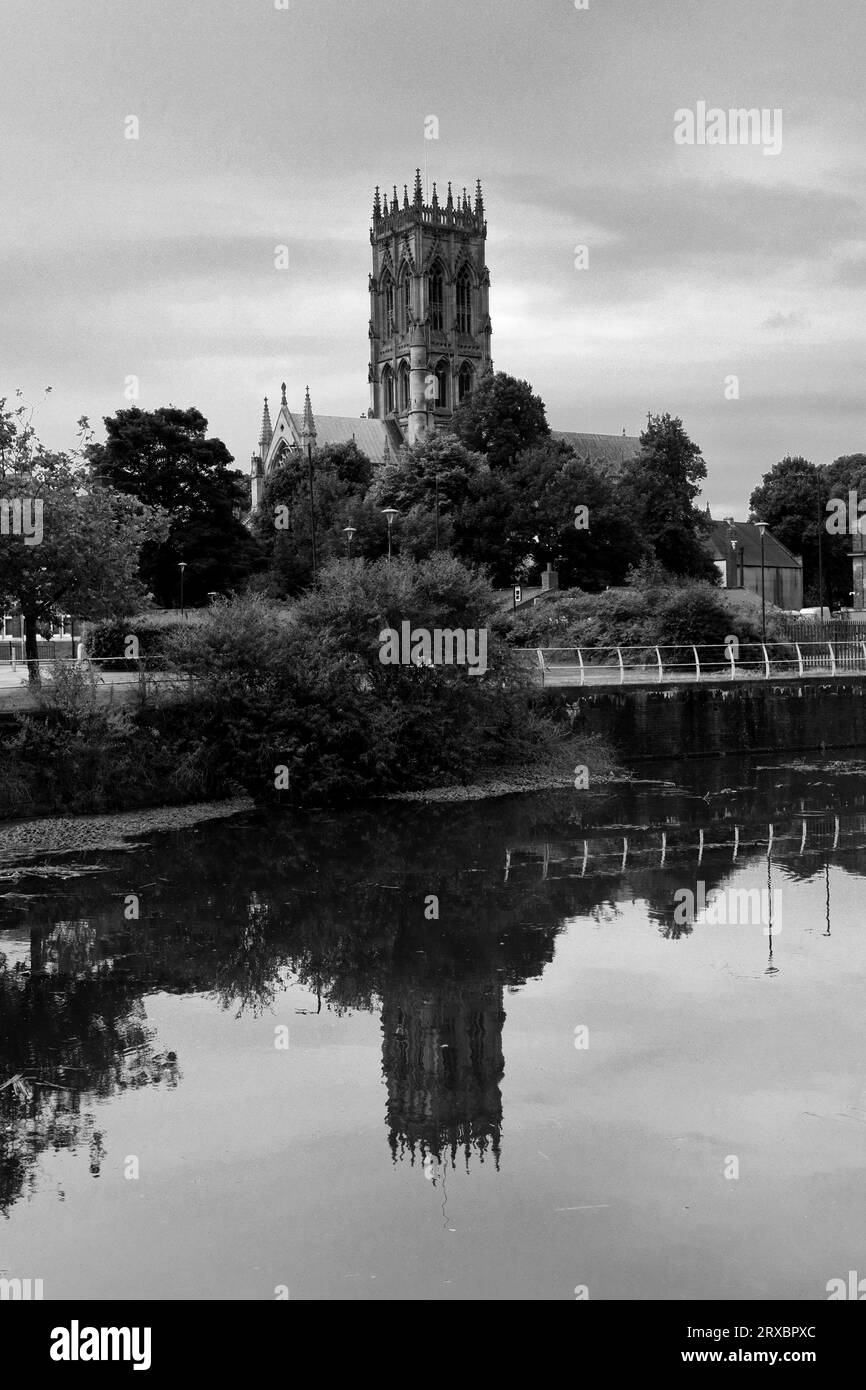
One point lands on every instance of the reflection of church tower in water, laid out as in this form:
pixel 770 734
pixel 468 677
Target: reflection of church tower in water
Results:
pixel 443 1062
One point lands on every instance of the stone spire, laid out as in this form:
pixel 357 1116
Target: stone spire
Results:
pixel 377 205
pixel 267 433
pixel 283 400
pixel 308 433
pixel 405 197
pixel 449 205
pixel 479 200
pixel 419 191
pixel 434 201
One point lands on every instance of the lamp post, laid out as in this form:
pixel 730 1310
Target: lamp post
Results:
pixel 762 526
pixel 181 566
pixel 312 508
pixel 349 532
pixel 820 544
pixel 389 513
pixel 213 595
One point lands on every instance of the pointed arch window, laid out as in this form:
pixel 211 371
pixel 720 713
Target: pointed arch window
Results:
pixel 437 298
pixel 441 373
pixel 403 386
pixel 464 302
pixel 464 382
pixel 387 305
pixel 388 391
pixel 405 299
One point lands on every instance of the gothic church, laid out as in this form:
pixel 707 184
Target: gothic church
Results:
pixel 429 334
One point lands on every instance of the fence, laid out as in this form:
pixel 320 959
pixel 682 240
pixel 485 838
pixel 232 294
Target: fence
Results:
pixel 670 665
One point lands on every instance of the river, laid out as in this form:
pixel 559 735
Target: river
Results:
pixel 490 1050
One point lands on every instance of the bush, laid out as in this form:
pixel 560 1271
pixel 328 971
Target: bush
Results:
pixel 76 755
pixel 108 639
pixel 672 614
pixel 300 702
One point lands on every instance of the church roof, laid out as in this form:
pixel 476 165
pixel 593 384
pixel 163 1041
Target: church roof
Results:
pixel 608 450
pixel 369 435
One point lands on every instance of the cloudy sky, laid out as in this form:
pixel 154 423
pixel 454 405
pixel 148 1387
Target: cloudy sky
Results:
pixel 262 126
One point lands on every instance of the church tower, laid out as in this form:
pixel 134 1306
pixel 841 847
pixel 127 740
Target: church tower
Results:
pixel 429 317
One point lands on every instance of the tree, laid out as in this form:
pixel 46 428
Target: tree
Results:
pixel 81 553
pixel 568 515
pixel 165 459
pixel 657 490
pixel 792 498
pixel 500 419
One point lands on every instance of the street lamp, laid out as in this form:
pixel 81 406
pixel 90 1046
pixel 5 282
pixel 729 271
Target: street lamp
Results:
pixel 349 533
pixel 389 513
pixel 762 526
pixel 213 595
pixel 820 544
pixel 181 566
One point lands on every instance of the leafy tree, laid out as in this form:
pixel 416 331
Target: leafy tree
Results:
pixel 657 490
pixel 591 547
pixel 82 558
pixel 166 459
pixel 792 499
pixel 844 475
pixel 500 419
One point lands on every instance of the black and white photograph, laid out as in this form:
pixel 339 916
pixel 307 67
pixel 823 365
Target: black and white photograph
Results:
pixel 433 669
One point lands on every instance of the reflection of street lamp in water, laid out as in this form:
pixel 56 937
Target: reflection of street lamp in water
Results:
pixel 771 968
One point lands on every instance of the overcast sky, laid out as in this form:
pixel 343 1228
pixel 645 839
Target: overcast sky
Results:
pixel 261 126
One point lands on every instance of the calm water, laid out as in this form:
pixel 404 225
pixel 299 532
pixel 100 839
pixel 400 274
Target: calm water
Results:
pixel 319 1085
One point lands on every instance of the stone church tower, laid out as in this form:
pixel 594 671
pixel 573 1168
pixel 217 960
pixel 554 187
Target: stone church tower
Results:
pixel 429 320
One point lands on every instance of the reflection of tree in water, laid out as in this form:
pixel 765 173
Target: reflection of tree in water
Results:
pixel 337 901
pixel 66 1042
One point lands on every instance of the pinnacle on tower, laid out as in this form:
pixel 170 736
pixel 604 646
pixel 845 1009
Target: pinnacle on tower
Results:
pixel 479 200
pixel 419 191
pixel 267 433
pixel 308 433
pixel 283 401
pixel 394 204
pixel 377 206
pixel 465 205
pixel 434 201
pixel 405 197
pixel 450 203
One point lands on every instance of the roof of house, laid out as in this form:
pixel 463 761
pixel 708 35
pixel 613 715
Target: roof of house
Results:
pixel 610 450
pixel 748 538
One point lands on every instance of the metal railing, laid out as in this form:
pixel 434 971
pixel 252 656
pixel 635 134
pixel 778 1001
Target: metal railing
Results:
pixel 683 664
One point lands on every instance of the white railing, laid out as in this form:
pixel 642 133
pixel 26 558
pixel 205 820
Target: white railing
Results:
pixel 704 663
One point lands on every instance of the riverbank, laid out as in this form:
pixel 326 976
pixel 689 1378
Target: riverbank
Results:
pixel 558 769
pixel 116 830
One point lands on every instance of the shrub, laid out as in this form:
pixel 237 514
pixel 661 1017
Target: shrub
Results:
pixel 108 639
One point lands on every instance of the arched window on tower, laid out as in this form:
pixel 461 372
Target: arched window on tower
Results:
pixel 441 374
pixel 387 306
pixel 403 386
pixel 405 299
pixel 436 287
pixel 464 302
pixel 388 391
pixel 464 382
